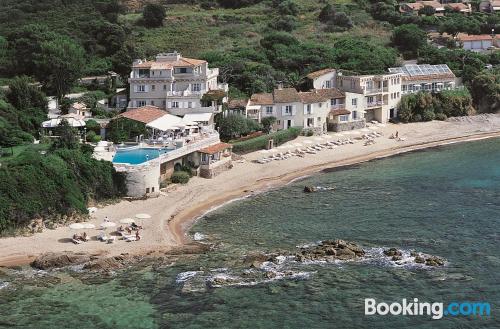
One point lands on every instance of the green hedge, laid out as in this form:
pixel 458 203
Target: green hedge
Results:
pixel 260 142
pixel 180 177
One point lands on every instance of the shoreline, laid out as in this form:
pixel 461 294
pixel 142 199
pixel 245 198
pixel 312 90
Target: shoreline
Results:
pixel 184 221
pixel 177 210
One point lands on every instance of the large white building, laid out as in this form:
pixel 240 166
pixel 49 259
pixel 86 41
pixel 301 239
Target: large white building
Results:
pixel 174 83
pixel 341 102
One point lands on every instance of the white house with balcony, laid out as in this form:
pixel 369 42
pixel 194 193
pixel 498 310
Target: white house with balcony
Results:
pixel 174 83
pixel 318 110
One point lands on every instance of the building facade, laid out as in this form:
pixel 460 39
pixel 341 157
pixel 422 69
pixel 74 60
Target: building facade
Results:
pixel 425 77
pixel 174 83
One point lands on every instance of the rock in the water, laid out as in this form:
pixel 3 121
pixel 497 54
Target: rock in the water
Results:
pixel 105 264
pixel 434 261
pixel 419 260
pixel 345 254
pixel 393 252
pixel 309 189
pixel 55 260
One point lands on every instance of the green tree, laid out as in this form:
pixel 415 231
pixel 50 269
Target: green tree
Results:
pixel 409 38
pixel 61 62
pixel 485 90
pixel 267 124
pixel 68 137
pixel 288 7
pixel 327 14
pixel 153 15
pixel 235 125
pixel 427 11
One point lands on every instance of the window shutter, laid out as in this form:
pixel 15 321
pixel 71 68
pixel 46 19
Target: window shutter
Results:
pixel 169 105
pixel 283 107
pixel 294 109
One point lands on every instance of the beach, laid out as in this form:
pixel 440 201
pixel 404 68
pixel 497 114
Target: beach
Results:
pixel 173 212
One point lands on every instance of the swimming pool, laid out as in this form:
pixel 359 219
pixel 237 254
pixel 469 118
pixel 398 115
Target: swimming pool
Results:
pixel 138 156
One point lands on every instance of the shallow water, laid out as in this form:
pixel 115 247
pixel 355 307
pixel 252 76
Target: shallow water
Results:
pixel 443 202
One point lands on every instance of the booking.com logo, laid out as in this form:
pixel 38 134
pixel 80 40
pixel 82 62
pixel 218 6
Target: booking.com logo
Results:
pixel 435 310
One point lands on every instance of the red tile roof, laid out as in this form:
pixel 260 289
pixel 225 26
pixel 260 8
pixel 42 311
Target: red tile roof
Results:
pixel 182 62
pixel 237 103
pixel 473 37
pixel 286 95
pixel 262 99
pixel 212 149
pixel 144 114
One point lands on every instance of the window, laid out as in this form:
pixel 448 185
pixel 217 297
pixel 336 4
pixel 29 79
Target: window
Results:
pixel 288 109
pixel 328 84
pixel 141 103
pixel 175 105
pixel 344 118
pixel 354 115
pixel 153 87
pixel 320 104
pixel 269 110
pixel 354 102
pixel 308 109
pixel 164 103
pixel 196 87
pixel 164 87
pixel 278 122
pixel 190 104
pixel 319 119
pixel 141 88
pixel 333 102
pixel 153 103
pixel 181 70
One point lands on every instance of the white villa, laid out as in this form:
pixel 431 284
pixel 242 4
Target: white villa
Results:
pixel 174 83
pixel 171 141
pixel 339 102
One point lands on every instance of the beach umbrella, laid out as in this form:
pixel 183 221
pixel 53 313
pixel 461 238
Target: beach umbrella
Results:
pixel 108 224
pixel 298 144
pixel 92 210
pixel 339 135
pixel 88 225
pixel 319 139
pixel 365 130
pixel 263 151
pixel 127 221
pixel 308 142
pixel 76 226
pixel 143 216
pixel 373 127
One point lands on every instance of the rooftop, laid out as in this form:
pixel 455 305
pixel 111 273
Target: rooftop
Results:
pixel 168 61
pixel 320 95
pixel 423 70
pixel 145 114
pixel 212 149
pixel 317 74
pixel 286 95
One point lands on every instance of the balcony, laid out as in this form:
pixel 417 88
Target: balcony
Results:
pixel 376 90
pixel 375 104
pixel 184 93
pixel 338 107
pixel 201 109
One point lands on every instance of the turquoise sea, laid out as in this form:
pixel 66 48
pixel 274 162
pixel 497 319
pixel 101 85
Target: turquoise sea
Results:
pixel 444 202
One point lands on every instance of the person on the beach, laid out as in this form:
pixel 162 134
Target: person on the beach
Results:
pixel 397 134
pixel 106 219
pixel 137 236
pixel 84 238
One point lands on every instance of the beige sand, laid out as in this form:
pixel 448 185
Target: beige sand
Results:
pixel 174 212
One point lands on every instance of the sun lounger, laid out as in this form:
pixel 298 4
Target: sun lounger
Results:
pixel 75 241
pixel 111 239
pixel 131 238
pixel 102 237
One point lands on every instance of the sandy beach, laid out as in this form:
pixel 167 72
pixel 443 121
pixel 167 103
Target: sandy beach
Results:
pixel 173 212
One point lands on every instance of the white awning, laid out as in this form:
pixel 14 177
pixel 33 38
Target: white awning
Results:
pixel 253 107
pixel 52 123
pixel 166 122
pixel 198 117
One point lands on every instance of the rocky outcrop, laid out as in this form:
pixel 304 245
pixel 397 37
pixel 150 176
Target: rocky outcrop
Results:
pixel 106 264
pixel 415 257
pixel 330 250
pixel 309 189
pixel 52 260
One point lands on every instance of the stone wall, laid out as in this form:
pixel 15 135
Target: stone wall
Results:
pixel 214 171
pixel 346 126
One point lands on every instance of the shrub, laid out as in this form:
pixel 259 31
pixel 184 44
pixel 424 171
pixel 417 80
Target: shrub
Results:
pixel 417 118
pixel 441 116
pixel 259 143
pixel 428 115
pixel 180 177
pixel 153 15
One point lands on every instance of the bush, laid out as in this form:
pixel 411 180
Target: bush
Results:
pixel 441 116
pixel 260 143
pixel 93 137
pixel 417 118
pixel 153 15
pixel 180 177
pixel 428 115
